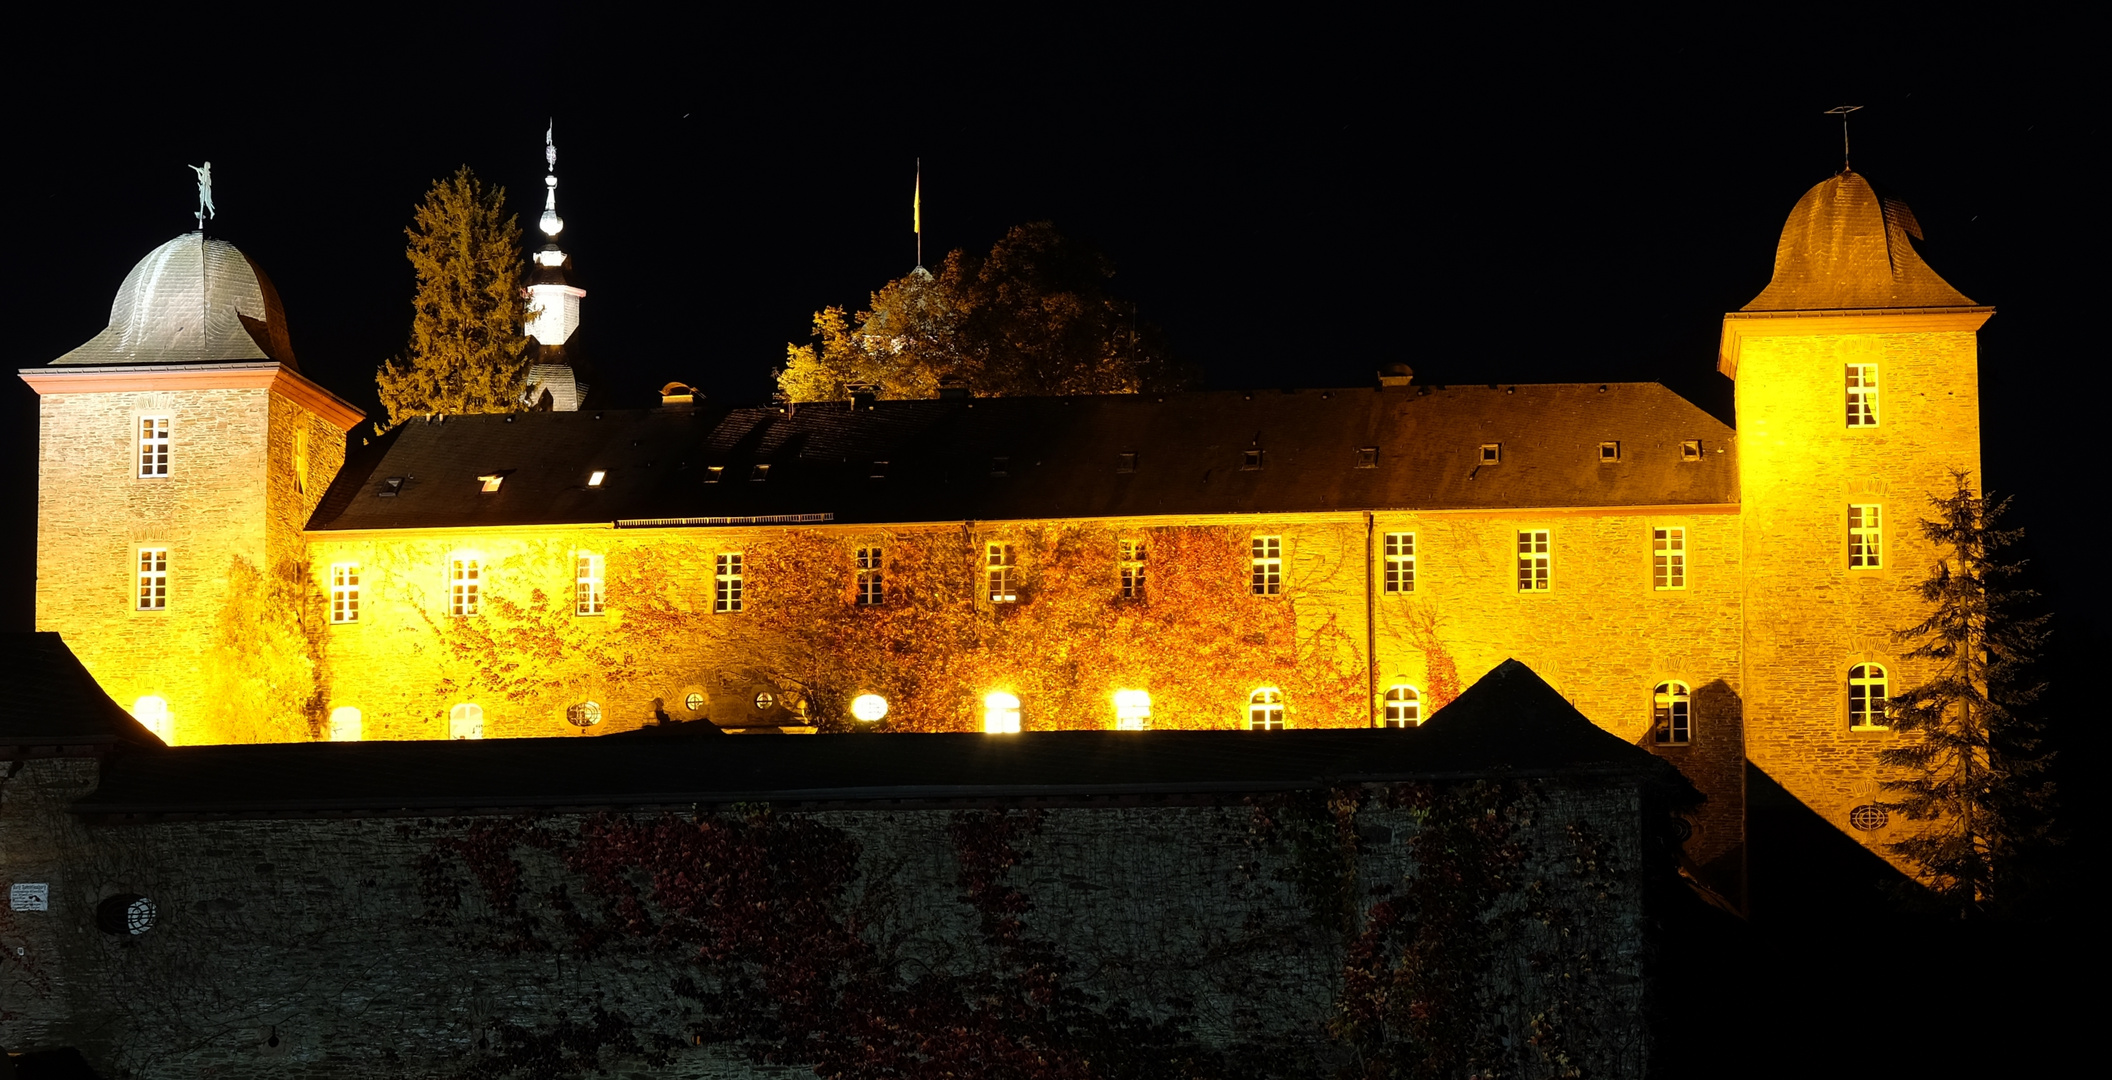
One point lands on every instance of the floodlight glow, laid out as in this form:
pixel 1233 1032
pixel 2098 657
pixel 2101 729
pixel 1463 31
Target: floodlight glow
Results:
pixel 1132 710
pixel 1000 713
pixel 869 707
pixel 153 712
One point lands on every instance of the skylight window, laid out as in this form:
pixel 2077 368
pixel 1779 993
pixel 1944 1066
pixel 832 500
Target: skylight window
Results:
pixel 1000 466
pixel 1491 453
pixel 595 478
pixel 1250 460
pixel 713 472
pixel 1609 453
pixel 1126 462
pixel 1690 450
pixel 879 470
pixel 759 474
pixel 491 481
pixel 391 487
pixel 1368 457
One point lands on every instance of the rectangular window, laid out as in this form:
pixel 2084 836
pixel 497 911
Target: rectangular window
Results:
pixel 344 592
pixel 588 584
pixel 1862 395
pixel 726 599
pixel 1400 562
pixel 1131 553
pixel 465 585
pixel 153 579
pixel 1002 573
pixel 1268 565
pixel 1532 560
pixel 1866 537
pixel 870 592
pixel 153 446
pixel 1668 558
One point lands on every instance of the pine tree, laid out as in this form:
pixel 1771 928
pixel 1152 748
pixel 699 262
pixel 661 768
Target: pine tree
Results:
pixel 1977 764
pixel 468 352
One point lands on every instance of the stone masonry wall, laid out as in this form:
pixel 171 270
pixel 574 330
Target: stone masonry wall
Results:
pixel 312 948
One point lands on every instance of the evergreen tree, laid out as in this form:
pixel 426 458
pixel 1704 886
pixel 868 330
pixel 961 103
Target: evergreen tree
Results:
pixel 468 352
pixel 1032 317
pixel 1977 766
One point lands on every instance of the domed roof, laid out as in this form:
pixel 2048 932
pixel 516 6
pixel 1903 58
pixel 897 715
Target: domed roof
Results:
pixel 1844 248
pixel 193 300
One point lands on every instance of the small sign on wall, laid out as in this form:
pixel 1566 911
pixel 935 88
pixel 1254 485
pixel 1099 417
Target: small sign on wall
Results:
pixel 29 896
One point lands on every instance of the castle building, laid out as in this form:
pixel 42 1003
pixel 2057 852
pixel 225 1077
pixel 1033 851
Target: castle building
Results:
pixel 1342 557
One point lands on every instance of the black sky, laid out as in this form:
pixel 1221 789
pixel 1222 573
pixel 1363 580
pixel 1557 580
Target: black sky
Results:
pixel 1296 202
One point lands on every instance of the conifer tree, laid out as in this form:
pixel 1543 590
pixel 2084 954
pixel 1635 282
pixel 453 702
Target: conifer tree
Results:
pixel 1975 758
pixel 468 352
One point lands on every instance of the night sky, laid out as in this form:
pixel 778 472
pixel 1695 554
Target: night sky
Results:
pixel 1296 203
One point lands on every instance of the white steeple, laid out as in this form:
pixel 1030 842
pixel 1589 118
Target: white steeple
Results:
pixel 553 301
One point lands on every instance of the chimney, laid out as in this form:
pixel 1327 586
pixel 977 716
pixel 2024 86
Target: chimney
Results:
pixel 1395 375
pixel 676 393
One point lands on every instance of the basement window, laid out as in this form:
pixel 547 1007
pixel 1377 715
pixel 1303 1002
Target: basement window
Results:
pixel 1491 453
pixel 1609 453
pixel 1368 457
pixel 1690 450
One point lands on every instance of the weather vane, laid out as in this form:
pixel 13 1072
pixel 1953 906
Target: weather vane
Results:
pixel 1842 111
pixel 205 194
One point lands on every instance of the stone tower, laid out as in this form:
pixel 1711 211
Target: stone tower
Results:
pixel 1857 396
pixel 175 443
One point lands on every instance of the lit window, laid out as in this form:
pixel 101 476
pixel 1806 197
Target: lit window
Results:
pixel 1132 710
pixel 595 478
pixel 870 585
pixel 1862 395
pixel 727 584
pixel 1250 461
pixel 1265 710
pixel 1532 560
pixel 1866 537
pixel 1268 565
pixel 300 460
pixel 1668 558
pixel 1002 572
pixel 153 713
pixel 1671 722
pixel 879 470
pixel 1000 714
pixel 713 472
pixel 694 702
pixel 1400 562
pixel 588 589
pixel 344 724
pixel 1404 706
pixel 869 708
pixel 465 722
pixel 465 585
pixel 153 579
pixel 1866 698
pixel 153 446
pixel 1131 554
pixel 1491 453
pixel 1609 453
pixel 344 592
pixel 491 481
pixel 586 714
pixel 1367 457
pixel 1690 450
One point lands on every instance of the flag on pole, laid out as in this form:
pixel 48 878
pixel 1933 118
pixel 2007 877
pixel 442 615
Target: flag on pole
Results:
pixel 916 203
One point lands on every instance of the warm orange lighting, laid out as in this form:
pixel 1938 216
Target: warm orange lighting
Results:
pixel 154 713
pixel 344 724
pixel 1132 710
pixel 1000 713
pixel 869 707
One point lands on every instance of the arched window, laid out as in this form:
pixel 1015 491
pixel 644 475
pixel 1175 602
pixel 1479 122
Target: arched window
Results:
pixel 1867 691
pixel 465 722
pixel 153 712
pixel 344 724
pixel 1265 709
pixel 1671 714
pixel 1404 706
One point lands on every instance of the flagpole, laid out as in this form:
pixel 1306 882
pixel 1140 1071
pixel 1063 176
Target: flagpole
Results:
pixel 916 211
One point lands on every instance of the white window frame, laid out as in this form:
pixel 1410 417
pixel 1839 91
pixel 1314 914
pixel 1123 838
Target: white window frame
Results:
pixel 152 447
pixel 1869 687
pixel 344 592
pixel 870 586
pixel 465 585
pixel 729 593
pixel 590 591
pixel 1266 555
pixel 1399 551
pixel 346 724
pixel 1668 558
pixel 1866 536
pixel 1265 709
pixel 1862 395
pixel 1535 560
pixel 1000 572
pixel 465 721
pixel 1404 706
pixel 1130 557
pixel 1671 713
pixel 152 591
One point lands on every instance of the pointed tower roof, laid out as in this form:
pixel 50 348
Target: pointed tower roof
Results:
pixel 1844 248
pixel 193 300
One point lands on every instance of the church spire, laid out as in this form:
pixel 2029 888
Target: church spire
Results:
pixel 553 302
pixel 551 223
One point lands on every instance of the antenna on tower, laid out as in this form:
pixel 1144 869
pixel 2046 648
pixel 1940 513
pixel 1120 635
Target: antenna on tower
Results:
pixel 1842 111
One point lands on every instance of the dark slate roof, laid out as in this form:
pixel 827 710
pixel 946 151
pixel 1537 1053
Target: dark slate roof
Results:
pixel 54 702
pixel 1845 248
pixel 1062 458
pixel 1509 724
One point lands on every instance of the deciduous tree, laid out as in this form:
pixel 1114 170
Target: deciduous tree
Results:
pixel 1976 764
pixel 467 352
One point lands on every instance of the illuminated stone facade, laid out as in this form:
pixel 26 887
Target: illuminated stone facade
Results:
pixel 1740 648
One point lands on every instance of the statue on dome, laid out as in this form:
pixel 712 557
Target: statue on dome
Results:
pixel 205 193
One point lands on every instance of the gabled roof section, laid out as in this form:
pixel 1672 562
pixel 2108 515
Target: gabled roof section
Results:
pixel 1843 248
pixel 193 300
pixel 1220 452
pixel 55 706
